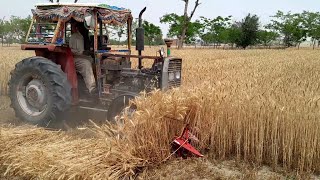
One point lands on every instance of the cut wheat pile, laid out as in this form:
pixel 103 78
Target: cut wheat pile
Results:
pixel 255 106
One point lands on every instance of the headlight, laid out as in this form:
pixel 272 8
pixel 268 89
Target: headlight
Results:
pixel 171 76
pixel 178 75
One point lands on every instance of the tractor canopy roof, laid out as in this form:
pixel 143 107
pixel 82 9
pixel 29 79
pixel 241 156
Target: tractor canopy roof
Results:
pixel 65 11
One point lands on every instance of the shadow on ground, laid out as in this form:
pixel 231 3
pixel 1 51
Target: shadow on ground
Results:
pixel 69 121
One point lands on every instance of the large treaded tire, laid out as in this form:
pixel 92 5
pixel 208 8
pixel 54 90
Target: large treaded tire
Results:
pixel 57 88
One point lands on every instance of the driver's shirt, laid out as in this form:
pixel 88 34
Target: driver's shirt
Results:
pixel 76 44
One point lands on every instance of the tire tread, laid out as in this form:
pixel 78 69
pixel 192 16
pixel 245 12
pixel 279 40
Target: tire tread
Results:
pixel 61 88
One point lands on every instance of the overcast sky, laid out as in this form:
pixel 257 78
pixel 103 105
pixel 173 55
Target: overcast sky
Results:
pixel 156 8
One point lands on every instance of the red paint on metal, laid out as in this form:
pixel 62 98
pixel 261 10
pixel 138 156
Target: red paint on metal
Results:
pixel 62 56
pixel 40 52
pixel 49 47
pixel 182 141
pixel 68 66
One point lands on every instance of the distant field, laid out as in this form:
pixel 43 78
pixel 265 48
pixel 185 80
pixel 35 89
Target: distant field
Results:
pixel 9 56
pixel 255 106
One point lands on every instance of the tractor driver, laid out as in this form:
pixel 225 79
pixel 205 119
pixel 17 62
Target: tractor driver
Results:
pixel 83 61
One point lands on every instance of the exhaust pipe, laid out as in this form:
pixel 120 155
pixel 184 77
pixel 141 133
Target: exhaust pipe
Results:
pixel 140 16
pixel 140 37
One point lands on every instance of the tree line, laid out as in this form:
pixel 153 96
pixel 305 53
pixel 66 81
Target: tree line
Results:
pixel 285 28
pixel 288 29
pixel 14 30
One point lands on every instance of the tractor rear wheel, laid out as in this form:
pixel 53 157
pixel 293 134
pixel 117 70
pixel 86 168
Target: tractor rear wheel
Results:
pixel 39 91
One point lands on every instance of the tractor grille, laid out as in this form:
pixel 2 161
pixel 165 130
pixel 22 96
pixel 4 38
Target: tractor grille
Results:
pixel 175 66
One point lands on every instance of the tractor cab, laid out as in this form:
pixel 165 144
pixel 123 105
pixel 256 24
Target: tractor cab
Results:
pixel 45 85
pixel 51 23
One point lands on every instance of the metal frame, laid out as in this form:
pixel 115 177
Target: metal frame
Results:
pixel 129 33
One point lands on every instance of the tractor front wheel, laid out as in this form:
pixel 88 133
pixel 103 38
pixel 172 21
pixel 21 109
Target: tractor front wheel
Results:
pixel 39 91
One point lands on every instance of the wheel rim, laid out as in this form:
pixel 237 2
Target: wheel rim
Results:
pixel 32 96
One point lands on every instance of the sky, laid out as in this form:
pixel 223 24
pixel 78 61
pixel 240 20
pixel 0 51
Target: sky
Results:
pixel 157 8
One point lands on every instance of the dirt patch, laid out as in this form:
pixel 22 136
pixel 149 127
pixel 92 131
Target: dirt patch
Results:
pixel 204 169
pixel 75 118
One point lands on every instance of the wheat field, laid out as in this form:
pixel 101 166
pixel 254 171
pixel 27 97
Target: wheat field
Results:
pixel 9 56
pixel 255 106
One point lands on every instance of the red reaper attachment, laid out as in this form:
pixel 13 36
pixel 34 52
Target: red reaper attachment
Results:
pixel 182 147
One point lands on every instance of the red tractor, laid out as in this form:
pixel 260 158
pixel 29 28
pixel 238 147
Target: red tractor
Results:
pixel 44 87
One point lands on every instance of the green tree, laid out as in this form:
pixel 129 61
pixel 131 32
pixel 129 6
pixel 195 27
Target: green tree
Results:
pixel 186 25
pixel 266 37
pixel 118 31
pixel 175 27
pixel 182 24
pixel 135 25
pixel 290 26
pixel 15 28
pixel 214 30
pixel 8 29
pixel 2 22
pixel 152 32
pixel 234 34
pixel 2 30
pixel 249 31
pixel 24 25
pixel 311 22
